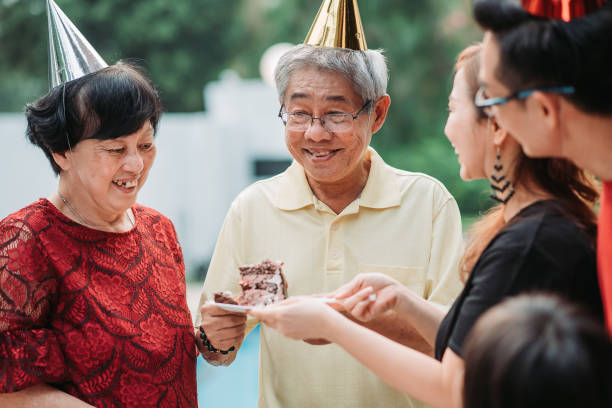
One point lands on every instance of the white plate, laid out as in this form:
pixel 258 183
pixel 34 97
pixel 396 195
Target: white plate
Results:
pixel 233 308
pixel 243 309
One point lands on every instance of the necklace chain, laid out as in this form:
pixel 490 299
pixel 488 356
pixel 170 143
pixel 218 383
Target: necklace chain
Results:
pixel 81 219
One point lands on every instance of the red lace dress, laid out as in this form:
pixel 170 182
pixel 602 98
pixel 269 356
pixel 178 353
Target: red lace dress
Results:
pixel 100 315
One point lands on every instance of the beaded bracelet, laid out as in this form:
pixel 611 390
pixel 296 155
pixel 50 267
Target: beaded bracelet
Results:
pixel 210 347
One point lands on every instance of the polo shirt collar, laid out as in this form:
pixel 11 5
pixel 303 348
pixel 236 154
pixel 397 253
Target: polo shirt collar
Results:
pixel 381 189
pixel 294 191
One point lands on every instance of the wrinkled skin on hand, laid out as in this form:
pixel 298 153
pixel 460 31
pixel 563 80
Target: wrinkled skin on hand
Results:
pixel 224 329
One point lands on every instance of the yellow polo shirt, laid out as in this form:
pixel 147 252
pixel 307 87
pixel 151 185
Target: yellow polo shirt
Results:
pixel 404 224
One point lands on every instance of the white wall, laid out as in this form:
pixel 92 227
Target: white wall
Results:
pixel 204 160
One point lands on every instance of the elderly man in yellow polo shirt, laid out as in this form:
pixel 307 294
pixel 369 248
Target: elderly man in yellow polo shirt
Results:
pixel 337 211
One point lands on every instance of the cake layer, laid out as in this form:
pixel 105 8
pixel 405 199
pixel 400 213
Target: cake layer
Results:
pixel 262 284
pixel 225 297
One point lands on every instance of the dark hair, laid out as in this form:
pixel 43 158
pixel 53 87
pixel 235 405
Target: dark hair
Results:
pixel 538 52
pixel 576 190
pixel 537 351
pixel 113 102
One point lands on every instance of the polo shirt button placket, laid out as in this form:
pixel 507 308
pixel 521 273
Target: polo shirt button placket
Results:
pixel 335 249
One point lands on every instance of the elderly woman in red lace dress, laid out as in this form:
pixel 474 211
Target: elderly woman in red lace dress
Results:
pixel 92 285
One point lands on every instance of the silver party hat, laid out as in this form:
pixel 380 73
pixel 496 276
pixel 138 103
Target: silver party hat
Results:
pixel 70 54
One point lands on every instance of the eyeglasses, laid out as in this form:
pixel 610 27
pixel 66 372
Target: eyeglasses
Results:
pixel 482 101
pixel 332 122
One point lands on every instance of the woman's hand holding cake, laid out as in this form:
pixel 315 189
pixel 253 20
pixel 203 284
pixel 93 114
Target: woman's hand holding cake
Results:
pixel 310 317
pixel 299 317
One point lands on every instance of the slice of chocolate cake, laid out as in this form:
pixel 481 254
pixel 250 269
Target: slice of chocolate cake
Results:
pixel 225 297
pixel 262 284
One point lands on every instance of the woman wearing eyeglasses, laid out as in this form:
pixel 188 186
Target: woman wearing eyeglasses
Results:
pixel 540 236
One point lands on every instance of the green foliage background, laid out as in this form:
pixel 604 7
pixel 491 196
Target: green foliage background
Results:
pixel 186 43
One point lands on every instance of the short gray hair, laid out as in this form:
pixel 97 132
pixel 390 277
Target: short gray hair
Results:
pixel 365 70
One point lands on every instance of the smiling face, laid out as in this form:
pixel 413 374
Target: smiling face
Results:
pixel 327 158
pixel 467 134
pixel 523 119
pixel 106 175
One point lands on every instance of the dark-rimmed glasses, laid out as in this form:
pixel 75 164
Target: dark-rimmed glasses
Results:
pixel 332 122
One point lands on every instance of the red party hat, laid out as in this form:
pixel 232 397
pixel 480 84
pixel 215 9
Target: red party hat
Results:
pixel 565 10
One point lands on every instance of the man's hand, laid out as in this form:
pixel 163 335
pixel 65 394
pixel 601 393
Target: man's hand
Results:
pixel 223 329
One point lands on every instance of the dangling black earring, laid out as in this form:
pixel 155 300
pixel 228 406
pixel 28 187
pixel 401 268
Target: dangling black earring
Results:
pixel 499 182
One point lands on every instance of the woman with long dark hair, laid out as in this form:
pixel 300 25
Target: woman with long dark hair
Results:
pixel 546 77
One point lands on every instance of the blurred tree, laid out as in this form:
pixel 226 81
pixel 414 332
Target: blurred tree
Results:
pixel 184 44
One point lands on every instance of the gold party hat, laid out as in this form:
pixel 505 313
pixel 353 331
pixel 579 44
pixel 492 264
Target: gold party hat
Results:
pixel 337 25
pixel 70 54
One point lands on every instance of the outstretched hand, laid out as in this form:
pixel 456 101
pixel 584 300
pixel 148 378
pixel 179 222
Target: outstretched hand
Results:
pixel 299 317
pixel 357 300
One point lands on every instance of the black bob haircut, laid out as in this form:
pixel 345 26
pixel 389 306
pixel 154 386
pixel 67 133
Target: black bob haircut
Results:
pixel 541 52
pixel 112 102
